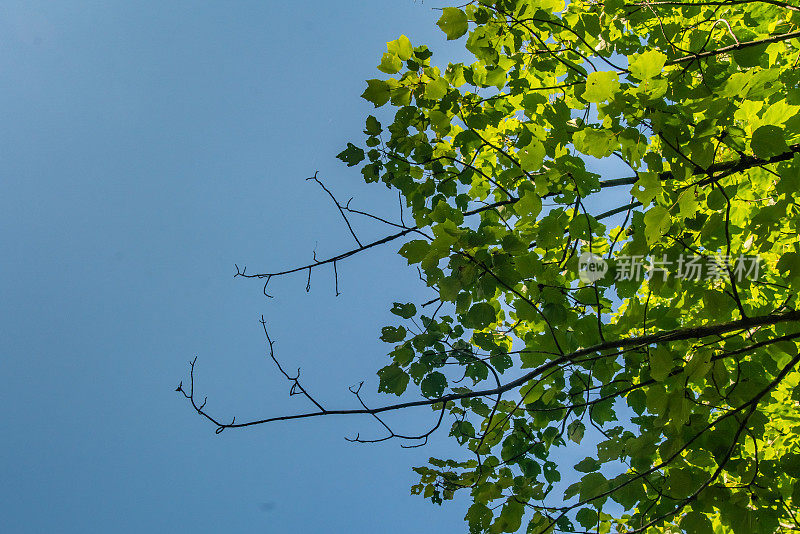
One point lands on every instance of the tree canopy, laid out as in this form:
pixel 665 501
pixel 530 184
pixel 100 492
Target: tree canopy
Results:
pixel 650 314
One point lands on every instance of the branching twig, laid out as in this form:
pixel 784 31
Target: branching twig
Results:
pixel 679 334
pixel 339 206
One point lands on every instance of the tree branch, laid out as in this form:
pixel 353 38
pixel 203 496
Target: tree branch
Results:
pixel 737 46
pixel 670 335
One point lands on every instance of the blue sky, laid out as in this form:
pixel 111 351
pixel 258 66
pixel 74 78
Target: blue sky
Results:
pixel 146 148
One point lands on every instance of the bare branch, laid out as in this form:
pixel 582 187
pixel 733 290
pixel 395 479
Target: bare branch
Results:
pixel 696 332
pixel 339 206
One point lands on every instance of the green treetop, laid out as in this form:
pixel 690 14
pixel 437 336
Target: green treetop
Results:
pixel 681 369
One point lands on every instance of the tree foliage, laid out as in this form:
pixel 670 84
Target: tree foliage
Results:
pixel 684 387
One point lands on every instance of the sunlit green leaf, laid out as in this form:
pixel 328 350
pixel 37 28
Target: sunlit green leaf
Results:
pixel 648 64
pixel 601 86
pixel 400 47
pixel 453 22
pixel 390 63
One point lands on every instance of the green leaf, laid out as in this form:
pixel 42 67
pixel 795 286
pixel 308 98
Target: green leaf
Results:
pixel 496 77
pixel 373 126
pixel 401 47
pixel 572 490
pixel 648 64
pixel 744 521
pixel 611 6
pixel 532 156
pixel 510 518
pixel 433 385
pixel 601 86
pixel 696 523
pixel 715 200
pixel 401 96
pixel 651 88
pixel 575 431
pixel 749 56
pixel 699 365
pixel 768 141
pixel 479 516
pixel 436 89
pixel 591 485
pixel 587 465
pixel 480 316
pixel 587 517
pixel 656 399
pixel 415 251
pixel 352 155
pixel 551 473
pixel 778 113
pixel 406 311
pixel 790 463
pixel 594 142
pixel 390 63
pixel 660 363
pixel 453 23
pixel 647 187
pixel 393 380
pixel 681 483
pixel 716 303
pixel 378 92
pixel 657 222
pixel 391 334
pixel 637 400
pixel 403 354
pixel 789 263
pixel 529 205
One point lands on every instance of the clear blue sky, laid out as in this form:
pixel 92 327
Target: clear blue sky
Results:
pixel 145 147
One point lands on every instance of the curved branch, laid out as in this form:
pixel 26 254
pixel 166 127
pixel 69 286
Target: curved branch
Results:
pixel 721 3
pixel 670 335
pixel 731 48
pixel 339 206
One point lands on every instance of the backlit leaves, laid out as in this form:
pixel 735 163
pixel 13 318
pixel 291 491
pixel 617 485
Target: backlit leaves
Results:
pixel 400 47
pixel 495 162
pixel 596 142
pixel 529 205
pixel 601 86
pixel 436 89
pixel 390 63
pixel 532 156
pixel 648 64
pixel 657 222
pixel 453 22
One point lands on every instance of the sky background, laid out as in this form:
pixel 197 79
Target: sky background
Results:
pixel 144 149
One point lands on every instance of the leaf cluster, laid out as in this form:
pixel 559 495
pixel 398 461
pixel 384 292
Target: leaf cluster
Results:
pixel 692 420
